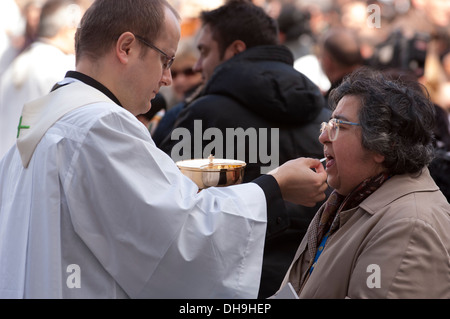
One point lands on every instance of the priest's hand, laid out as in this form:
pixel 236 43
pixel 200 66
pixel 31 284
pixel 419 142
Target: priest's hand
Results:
pixel 302 181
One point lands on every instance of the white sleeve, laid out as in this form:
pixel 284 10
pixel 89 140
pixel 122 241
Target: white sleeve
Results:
pixel 151 229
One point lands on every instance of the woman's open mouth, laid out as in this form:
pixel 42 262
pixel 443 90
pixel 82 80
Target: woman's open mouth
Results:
pixel 330 161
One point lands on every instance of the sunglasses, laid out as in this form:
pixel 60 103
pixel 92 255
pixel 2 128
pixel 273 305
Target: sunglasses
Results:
pixel 185 72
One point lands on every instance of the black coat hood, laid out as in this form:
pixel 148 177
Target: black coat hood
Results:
pixel 263 80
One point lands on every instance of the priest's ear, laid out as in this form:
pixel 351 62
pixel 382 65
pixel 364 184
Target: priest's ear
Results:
pixel 124 45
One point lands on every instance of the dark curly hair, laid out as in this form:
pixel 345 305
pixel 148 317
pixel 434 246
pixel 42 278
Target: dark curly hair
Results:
pixel 397 118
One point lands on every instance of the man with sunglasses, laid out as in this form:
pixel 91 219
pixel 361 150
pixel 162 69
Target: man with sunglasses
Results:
pixel 91 208
pixel 184 78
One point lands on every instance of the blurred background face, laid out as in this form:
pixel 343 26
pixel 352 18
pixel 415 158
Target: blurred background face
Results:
pixel 184 78
pixel 438 11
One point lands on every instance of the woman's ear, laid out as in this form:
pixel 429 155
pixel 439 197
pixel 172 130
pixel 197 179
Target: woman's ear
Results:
pixel 378 158
pixel 124 45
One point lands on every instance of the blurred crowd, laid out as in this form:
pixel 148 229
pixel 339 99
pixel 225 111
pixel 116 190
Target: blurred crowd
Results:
pixel 409 35
pixel 330 39
pixel 406 35
pixel 36 50
pixel 19 27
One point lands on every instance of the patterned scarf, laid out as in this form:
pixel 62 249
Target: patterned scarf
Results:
pixel 328 221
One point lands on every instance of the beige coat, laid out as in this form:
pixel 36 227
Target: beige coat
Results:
pixel 396 244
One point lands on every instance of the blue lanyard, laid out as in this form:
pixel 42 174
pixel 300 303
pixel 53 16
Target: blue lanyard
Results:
pixel 319 251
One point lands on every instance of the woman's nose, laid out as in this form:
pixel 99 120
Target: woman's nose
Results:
pixel 323 137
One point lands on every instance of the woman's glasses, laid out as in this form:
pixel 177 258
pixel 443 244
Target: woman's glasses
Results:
pixel 332 127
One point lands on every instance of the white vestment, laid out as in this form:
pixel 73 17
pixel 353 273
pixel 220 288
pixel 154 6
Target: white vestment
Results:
pixel 96 210
pixel 31 75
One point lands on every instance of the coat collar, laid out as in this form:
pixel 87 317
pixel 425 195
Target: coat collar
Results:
pixel 403 185
pixel 278 53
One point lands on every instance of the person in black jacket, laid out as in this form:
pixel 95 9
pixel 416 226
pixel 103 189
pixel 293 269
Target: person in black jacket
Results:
pixel 265 111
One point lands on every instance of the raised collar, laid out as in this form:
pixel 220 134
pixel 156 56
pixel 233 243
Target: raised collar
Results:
pixel 398 186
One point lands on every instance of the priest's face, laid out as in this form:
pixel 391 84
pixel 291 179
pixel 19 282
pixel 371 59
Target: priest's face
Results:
pixel 151 71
